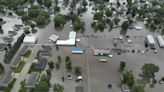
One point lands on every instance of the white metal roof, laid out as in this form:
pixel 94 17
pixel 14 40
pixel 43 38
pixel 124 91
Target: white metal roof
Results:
pixel 160 40
pixel 30 39
pixel 150 39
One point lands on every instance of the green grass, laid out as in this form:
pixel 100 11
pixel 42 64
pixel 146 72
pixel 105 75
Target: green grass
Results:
pixel 38 55
pixel 19 68
pixel 27 54
pixel 33 69
pixel 8 89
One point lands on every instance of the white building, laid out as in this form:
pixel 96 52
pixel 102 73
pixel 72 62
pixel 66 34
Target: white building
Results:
pixel 30 39
pixel 160 41
pixel 70 42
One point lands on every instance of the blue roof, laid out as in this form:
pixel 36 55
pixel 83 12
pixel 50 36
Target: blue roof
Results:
pixel 41 63
pixel 77 48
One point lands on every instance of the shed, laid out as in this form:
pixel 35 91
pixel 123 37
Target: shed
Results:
pixel 30 39
pixel 138 27
pixel 160 41
pixel 32 80
pixel 77 50
pixel 125 88
pixel 53 38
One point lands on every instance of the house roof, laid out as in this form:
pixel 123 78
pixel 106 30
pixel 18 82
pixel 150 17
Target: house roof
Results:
pixel 16 61
pixel 31 81
pixel 41 63
pixel 6 78
pixel 53 38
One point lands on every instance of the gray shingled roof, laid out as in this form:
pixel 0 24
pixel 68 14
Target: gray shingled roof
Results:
pixel 32 80
pixel 23 50
pixel 6 79
pixel 16 61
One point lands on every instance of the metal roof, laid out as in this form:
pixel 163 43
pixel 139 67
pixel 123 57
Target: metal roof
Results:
pixel 160 40
pixel 6 78
pixel 23 50
pixel 150 39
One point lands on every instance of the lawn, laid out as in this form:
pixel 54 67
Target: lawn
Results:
pixel 33 69
pixel 27 54
pixel 38 55
pixel 19 68
pixel 8 89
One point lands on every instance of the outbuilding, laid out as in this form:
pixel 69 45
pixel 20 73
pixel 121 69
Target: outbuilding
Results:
pixel 32 80
pixel 125 88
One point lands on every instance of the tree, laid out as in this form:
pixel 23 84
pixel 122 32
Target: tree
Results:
pixel 125 25
pixel 98 15
pixel 58 88
pixel 116 21
pixel 1 30
pixel 34 11
pixel 43 85
pixel 128 78
pixel 138 89
pixel 59 59
pixel 122 65
pixel 108 13
pixel 25 18
pixel 77 70
pixel 149 70
pixel 51 65
pixel 84 3
pixel 47 3
pixel 1 68
pixel 59 20
pixel 67 58
pixel 77 25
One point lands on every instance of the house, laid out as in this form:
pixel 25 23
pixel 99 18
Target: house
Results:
pixel 6 79
pixel 23 50
pixel 125 88
pixel 41 63
pixel 77 50
pixel 30 39
pixel 15 62
pixel 69 42
pixel 32 80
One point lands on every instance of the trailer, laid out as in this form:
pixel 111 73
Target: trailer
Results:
pixel 150 40
pixel 160 41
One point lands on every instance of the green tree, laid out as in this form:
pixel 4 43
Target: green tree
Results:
pixel 149 70
pixel 59 20
pixel 122 65
pixel 34 11
pixel 125 25
pixel 77 25
pixel 59 59
pixel 67 58
pixel 77 70
pixel 84 3
pixel 1 69
pixel 51 65
pixel 98 15
pixel 116 21
pixel 128 78
pixel 108 13
pixel 25 18
pixel 138 89
pixel 1 30
pixel 47 3
pixel 58 88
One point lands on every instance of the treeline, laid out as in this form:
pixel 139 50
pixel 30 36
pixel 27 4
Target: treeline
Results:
pixel 11 52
